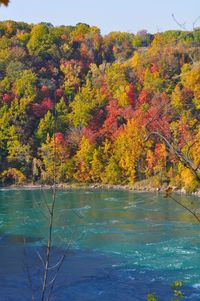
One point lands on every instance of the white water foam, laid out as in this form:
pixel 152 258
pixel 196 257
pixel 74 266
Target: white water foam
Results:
pixel 196 285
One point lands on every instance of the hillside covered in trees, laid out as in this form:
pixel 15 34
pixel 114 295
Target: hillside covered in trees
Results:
pixel 123 107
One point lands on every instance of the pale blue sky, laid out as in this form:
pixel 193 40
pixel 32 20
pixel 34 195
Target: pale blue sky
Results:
pixel 108 15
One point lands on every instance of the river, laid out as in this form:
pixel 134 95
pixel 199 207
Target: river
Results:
pixel 120 245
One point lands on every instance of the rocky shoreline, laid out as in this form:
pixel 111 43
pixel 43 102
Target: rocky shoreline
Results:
pixel 94 186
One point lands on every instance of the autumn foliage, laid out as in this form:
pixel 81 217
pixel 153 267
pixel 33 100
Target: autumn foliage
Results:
pixel 120 108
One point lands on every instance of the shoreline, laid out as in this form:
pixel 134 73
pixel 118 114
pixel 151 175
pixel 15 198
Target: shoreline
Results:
pixel 96 186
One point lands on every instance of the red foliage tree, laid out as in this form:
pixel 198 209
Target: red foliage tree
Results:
pixel 7 98
pixel 112 121
pixel 40 109
pixel 44 89
pixel 92 131
pixel 59 92
pixel 131 93
pixel 145 96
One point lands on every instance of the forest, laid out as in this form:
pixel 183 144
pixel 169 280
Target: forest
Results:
pixel 119 108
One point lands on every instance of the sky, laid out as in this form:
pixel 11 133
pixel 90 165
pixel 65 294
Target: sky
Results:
pixel 108 15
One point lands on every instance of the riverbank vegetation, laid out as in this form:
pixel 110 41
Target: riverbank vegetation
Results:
pixel 124 107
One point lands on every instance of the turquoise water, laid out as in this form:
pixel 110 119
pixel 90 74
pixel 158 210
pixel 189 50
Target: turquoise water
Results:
pixel 121 245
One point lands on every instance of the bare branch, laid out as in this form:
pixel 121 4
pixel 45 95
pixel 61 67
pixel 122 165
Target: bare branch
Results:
pixel 40 257
pixel 37 204
pixel 55 265
pixel 195 21
pixel 181 25
pixel 57 272
pixel 188 163
pixel 46 203
pixel 186 208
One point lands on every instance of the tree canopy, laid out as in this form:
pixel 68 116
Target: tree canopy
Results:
pixel 122 107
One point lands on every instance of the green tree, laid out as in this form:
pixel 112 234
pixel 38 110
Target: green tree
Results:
pixel 14 69
pixel 25 85
pixel 45 127
pixel 62 112
pixel 84 104
pixel 40 40
pixel 112 172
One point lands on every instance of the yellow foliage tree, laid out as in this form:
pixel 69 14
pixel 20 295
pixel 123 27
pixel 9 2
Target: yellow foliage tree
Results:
pixel 84 157
pixel 188 180
pixel 13 174
pixel 54 154
pixel 97 165
pixel 191 79
pixel 112 173
pixel 128 148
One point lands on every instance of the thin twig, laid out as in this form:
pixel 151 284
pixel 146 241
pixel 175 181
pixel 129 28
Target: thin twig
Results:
pixel 195 21
pixel 40 257
pixel 186 208
pixel 57 272
pixel 181 25
pixel 46 203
